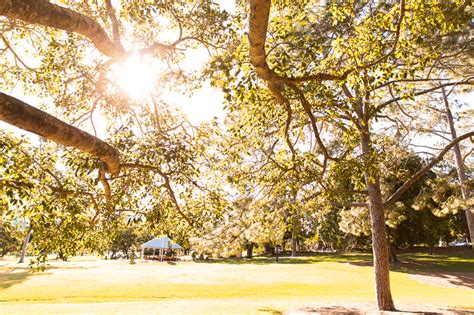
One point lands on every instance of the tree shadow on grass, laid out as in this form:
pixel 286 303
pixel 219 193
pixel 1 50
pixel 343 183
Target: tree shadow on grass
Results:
pixel 270 310
pixel 331 310
pixel 440 262
pixel 15 275
pixel 356 311
pixel 285 260
pixel 456 269
pixel 439 270
pixel 459 311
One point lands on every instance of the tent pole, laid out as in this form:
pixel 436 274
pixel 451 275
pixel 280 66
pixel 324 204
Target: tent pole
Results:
pixel 153 253
pixel 141 253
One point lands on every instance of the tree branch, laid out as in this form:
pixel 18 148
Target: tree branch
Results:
pixel 395 42
pixel 397 194
pixel 62 192
pixel 48 14
pixel 258 25
pixel 115 23
pixel 24 116
pixel 14 53
pixel 289 114
pixel 396 99
pixel 350 204
pixel 307 108
pixel 167 185
pixel 107 192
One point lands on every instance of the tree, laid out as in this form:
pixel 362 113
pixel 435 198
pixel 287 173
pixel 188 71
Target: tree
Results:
pixel 63 54
pixel 441 115
pixel 10 239
pixel 350 53
pixel 460 169
pixel 127 238
pixel 427 213
pixel 60 207
pixel 24 247
pixel 319 92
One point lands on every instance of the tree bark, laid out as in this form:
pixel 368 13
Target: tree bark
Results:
pixel 249 248
pixel 294 246
pixel 393 259
pixel 258 24
pixel 62 256
pixel 466 194
pixel 294 236
pixel 24 116
pixel 23 248
pixel 379 234
pixel 48 14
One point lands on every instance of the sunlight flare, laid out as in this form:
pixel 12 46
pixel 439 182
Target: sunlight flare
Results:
pixel 136 77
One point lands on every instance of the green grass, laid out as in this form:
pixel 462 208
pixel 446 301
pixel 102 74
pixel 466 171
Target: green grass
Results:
pixel 258 283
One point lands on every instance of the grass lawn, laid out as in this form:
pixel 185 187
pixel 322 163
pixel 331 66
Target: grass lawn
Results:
pixel 232 286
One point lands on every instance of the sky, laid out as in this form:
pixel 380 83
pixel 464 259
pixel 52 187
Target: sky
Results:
pixel 205 104
pixel 134 77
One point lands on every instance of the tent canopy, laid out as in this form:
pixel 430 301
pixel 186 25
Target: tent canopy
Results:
pixel 163 242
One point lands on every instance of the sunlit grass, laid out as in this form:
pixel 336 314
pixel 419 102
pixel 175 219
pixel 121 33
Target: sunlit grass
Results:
pixel 322 278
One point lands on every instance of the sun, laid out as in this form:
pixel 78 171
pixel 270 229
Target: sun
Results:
pixel 137 77
pixel 140 76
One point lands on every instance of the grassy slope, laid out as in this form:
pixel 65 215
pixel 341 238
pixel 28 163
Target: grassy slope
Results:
pixel 325 278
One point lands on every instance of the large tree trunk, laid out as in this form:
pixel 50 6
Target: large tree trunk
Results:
pixel 466 194
pixel 29 118
pixel 23 248
pixel 379 235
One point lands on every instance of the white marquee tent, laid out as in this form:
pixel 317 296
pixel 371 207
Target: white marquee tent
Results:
pixel 163 244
